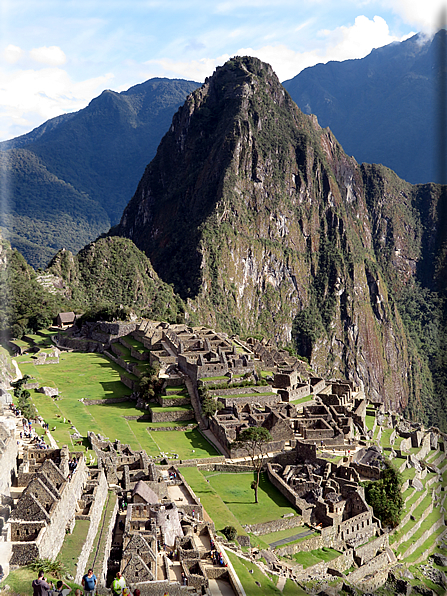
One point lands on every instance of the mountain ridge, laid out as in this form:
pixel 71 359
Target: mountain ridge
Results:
pixel 97 154
pixel 259 219
pixel 383 107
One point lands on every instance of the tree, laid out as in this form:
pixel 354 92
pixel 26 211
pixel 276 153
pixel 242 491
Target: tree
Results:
pixel 253 441
pixel 385 496
pixel 210 406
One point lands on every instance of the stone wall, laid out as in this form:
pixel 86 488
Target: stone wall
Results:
pixel 367 471
pixel 275 525
pixel 173 416
pixel 229 401
pixel 311 543
pixel 8 464
pixel 63 513
pixel 290 495
pixel 167 402
pixel 128 382
pixel 78 344
pixel 368 551
pixel 104 402
pixel 102 574
pixel 369 568
pixel 340 564
pixel 95 514
pixel 424 537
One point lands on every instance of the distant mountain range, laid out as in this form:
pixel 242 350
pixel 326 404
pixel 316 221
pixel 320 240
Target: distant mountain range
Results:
pixel 382 108
pixel 69 180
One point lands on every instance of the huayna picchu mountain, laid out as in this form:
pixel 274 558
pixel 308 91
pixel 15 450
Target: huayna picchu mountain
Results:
pixel 257 216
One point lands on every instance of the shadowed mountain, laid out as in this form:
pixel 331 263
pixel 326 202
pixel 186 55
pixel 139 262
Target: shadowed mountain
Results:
pixel 382 108
pixel 69 180
pixel 258 217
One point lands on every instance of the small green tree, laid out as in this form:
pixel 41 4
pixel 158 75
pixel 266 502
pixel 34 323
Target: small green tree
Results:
pixel 230 532
pixel 253 441
pixel 210 406
pixel 150 384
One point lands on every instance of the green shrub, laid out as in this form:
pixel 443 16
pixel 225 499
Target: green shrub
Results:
pixel 230 532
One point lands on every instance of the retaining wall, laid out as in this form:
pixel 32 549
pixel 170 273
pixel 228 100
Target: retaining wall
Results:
pixel 275 525
pixel 340 564
pixel 420 541
pixel 174 416
pixel 369 568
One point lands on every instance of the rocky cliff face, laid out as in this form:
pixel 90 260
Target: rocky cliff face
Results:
pixel 266 226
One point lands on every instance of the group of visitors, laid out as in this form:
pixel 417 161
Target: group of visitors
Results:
pixel 216 556
pixel 42 588
pixel 72 464
pixel 15 410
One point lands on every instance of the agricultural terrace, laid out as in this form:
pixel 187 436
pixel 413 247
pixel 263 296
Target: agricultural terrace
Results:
pixel 94 377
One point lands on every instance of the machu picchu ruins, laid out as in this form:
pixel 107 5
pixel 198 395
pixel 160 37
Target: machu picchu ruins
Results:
pixel 327 441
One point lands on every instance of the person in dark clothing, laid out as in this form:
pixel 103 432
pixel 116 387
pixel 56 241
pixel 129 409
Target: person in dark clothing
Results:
pixel 40 586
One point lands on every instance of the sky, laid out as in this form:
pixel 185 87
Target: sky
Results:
pixel 56 56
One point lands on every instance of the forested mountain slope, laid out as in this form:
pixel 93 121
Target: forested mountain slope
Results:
pixel 70 179
pixel 382 108
pixel 257 216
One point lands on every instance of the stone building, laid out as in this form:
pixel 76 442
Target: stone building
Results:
pixel 47 506
pixel 328 496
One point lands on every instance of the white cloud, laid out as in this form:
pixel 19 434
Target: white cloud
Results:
pixel 194 70
pixel 12 54
pixel 342 43
pixel 52 55
pixel 29 97
pixel 425 16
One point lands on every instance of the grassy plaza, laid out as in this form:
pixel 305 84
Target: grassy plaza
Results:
pixel 91 376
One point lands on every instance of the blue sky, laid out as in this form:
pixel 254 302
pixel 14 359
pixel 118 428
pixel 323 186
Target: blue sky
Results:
pixel 55 56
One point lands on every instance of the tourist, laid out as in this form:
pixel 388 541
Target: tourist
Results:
pixel 89 582
pixel 78 592
pixel 40 585
pixel 59 591
pixel 118 584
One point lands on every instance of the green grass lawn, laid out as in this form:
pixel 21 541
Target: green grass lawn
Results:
pixel 247 579
pixel 73 543
pixel 160 409
pixel 137 345
pixel 385 438
pixel 20 580
pixel 236 493
pixel 312 557
pixel 97 553
pixel 302 400
pixel 369 421
pixel 218 511
pixel 92 376
pixel 275 536
pixel 79 375
pixel 426 524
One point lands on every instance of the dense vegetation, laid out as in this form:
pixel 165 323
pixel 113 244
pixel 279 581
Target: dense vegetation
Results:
pixel 109 279
pixel 385 496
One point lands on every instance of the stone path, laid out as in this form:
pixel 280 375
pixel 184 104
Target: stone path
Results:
pixel 281 583
pixel 212 439
pixel 291 538
pixel 219 587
